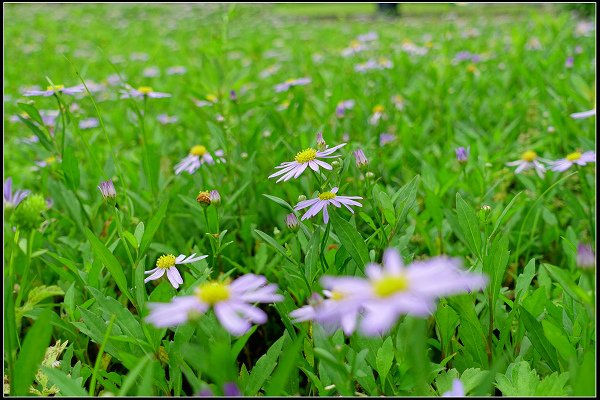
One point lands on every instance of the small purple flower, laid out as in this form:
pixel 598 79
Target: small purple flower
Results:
pixel 177 70
pixel 151 72
pixel 323 200
pixel 585 256
pixel 166 263
pixel 304 159
pixel 340 109
pixel 292 221
pixel 231 302
pixel 215 197
pixel 462 56
pixel 462 154
pixel 569 62
pixel 230 389
pixel 166 119
pixel 51 90
pixel 89 123
pixel 142 91
pixel 13 199
pixel 457 390
pixel 198 155
pixel 233 95
pixel 107 189
pixel 361 159
pixel 386 138
pixel 321 145
pixel 285 86
pixel 573 158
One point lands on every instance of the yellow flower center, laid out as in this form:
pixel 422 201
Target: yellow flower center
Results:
pixel 354 44
pixel 378 108
pixel 326 196
pixel 337 295
pixel 56 88
pixel 213 292
pixel 529 156
pixel 165 261
pixel 145 89
pixel 211 97
pixel 574 156
pixel 204 198
pixel 390 285
pixel 306 155
pixel 50 160
pixel 471 68
pixel 383 60
pixel 290 81
pixel 198 150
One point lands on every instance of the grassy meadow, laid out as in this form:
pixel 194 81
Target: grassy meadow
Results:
pixel 121 120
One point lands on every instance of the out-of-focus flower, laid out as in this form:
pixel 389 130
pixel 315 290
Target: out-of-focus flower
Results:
pixel 386 138
pixel 585 28
pixel 11 199
pixel 51 90
pixel 354 48
pixel 340 109
pixel 584 114
pixel 569 62
pixel 361 159
pixel 107 189
pixel 198 156
pixel 166 119
pixel 46 162
pixel 368 37
pixel 230 389
pixel 534 44
pixel 166 263
pixel 398 102
pixel 323 200
pixel 457 389
pixel 292 221
pixel 177 70
pixel 573 158
pixel 462 154
pixel 585 256
pixel 269 71
pixel 142 91
pixel 379 64
pixel 233 95
pixel 529 159
pixel 232 303
pixel 285 86
pixel 304 159
pixel 378 114
pixel 89 123
pixel 151 72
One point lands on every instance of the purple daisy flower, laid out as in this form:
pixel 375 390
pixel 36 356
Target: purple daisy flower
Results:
pixel 323 200
pixel 89 123
pixel 13 199
pixel 142 91
pixel 151 72
pixel 166 119
pixel 304 159
pixel 166 263
pixel 340 109
pixel 569 62
pixel 457 390
pixel 462 154
pixel 361 159
pixel 285 86
pixel 51 90
pixel 107 189
pixel 231 302
pixel 573 158
pixel 198 156
pixel 529 160
pixel 585 256
pixel 292 221
pixel 386 138
pixel 177 70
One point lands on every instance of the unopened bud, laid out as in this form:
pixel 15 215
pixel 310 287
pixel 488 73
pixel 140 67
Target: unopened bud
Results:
pixel 204 198
pixel 28 215
pixel 369 175
pixel 361 159
pixel 321 145
pixel 461 154
pixel 215 197
pixel 585 256
pixel 336 164
pixel 292 222
pixel 301 198
pixel 109 194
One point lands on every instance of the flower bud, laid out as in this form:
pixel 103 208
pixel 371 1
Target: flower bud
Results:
pixel 461 154
pixel 361 159
pixel 585 256
pixel 233 95
pixel 28 215
pixel 292 222
pixel 369 175
pixel 336 164
pixel 301 198
pixel 215 197
pixel 109 194
pixel 204 198
pixel 321 145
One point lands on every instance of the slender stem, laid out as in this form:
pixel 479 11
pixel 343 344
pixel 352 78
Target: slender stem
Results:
pixel 99 356
pixel 122 236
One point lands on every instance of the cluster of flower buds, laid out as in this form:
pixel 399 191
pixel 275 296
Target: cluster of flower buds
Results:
pixel 206 198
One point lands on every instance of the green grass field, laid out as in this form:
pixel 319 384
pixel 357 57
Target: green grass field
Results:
pixel 497 292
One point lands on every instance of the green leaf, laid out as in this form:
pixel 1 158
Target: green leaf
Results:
pixel 32 353
pixel 504 212
pixel 559 340
pixel 44 137
pixel 565 281
pixel 385 357
pixel 35 296
pixel 273 243
pixel 279 201
pixel 30 109
pixel 494 265
pixel 264 367
pixel 469 225
pixel 110 262
pixel 519 380
pixel 524 280
pixel 70 167
pixel 387 208
pixel 286 366
pixel 153 226
pixel 139 232
pixel 538 339
pixel 67 385
pixel 311 261
pixel 405 199
pixel 350 239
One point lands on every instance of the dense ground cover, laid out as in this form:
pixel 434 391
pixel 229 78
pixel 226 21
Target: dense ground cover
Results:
pixel 249 88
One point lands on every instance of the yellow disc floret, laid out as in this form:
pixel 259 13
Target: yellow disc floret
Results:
pixel 390 285
pixel 529 156
pixel 56 88
pixel 204 198
pixel 213 292
pixel 145 89
pixel 378 108
pixel 306 155
pixel 574 156
pixel 326 196
pixel 198 151
pixel 337 295
pixel 166 261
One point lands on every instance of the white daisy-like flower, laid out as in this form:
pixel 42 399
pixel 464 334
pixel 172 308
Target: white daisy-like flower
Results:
pixel 50 90
pixel 166 263
pixel 323 200
pixel 574 158
pixel 198 156
pixel 529 160
pixel 305 159
pixel 584 114
pixel 142 91
pixel 232 303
